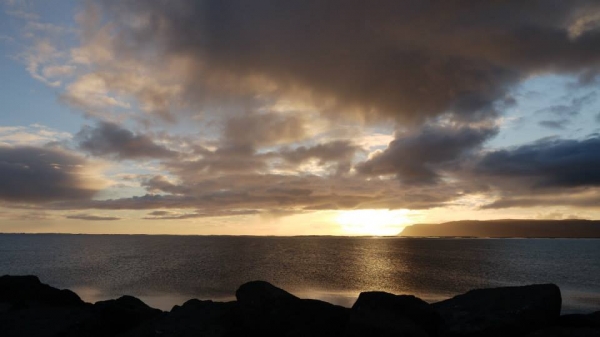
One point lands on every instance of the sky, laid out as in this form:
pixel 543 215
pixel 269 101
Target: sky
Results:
pixel 295 117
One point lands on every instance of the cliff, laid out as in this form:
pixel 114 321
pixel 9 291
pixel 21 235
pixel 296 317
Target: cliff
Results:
pixel 508 228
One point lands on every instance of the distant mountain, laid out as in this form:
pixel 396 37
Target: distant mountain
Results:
pixel 509 228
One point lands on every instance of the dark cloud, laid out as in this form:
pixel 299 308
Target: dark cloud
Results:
pixel 547 163
pixel 224 194
pixel 165 215
pixel 332 151
pixel 548 172
pixel 418 157
pixel 90 217
pixel 33 174
pixel 585 200
pixel 409 60
pixel 340 153
pixel 109 139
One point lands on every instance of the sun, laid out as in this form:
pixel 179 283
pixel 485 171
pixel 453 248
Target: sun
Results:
pixel 377 222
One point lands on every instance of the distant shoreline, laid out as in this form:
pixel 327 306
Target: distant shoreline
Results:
pixel 399 236
pixel 508 228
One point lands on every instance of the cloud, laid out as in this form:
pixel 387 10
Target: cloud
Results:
pixel 109 139
pixel 217 195
pixel 566 112
pixel 339 153
pixel 34 174
pixel 264 129
pixel 90 217
pixel 34 134
pixel 547 172
pixel 555 124
pixel 166 215
pixel 418 157
pixel 403 60
pixel 547 163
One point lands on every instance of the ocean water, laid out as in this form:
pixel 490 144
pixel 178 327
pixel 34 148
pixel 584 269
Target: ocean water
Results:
pixel 168 270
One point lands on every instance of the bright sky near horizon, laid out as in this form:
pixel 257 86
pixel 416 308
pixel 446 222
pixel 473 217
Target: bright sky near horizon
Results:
pixel 294 118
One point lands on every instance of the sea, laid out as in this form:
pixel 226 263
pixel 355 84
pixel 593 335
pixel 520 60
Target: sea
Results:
pixel 165 271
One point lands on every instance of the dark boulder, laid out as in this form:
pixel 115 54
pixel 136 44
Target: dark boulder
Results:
pixel 574 325
pixel 508 311
pixel 26 291
pixel 270 311
pixel 384 314
pixel 193 318
pixel 33 309
pixel 111 317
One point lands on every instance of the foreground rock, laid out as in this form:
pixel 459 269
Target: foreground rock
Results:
pixel 270 311
pixel 382 313
pixel 509 311
pixel 30 308
pixel 27 291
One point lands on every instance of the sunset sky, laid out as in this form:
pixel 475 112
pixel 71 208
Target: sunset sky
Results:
pixel 296 117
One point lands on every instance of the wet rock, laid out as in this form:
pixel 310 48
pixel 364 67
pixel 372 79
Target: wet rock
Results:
pixel 270 311
pixel 508 311
pixel 383 314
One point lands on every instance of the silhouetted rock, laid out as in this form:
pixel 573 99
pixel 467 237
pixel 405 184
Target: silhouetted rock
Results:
pixel 33 309
pixel 194 318
pixel 383 314
pixel 30 308
pixel 575 325
pixel 108 318
pixel 270 311
pixel 27 291
pixel 508 311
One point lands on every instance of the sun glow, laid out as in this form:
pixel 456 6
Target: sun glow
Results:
pixel 376 222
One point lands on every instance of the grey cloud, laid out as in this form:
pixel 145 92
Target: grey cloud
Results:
pixel 33 174
pixel 109 139
pixel 408 60
pixel 198 214
pixel 588 200
pixel 338 153
pixel 547 163
pixel 159 213
pixel 555 124
pixel 265 192
pixel 264 129
pixel 550 171
pixel 573 108
pixel 418 157
pixel 332 151
pixel 90 217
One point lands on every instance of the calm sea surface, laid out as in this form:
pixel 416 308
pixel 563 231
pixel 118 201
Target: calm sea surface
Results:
pixel 168 270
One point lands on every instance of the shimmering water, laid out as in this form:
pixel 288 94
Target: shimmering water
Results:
pixel 167 270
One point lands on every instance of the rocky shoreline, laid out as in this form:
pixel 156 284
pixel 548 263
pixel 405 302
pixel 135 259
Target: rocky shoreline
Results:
pixel 31 308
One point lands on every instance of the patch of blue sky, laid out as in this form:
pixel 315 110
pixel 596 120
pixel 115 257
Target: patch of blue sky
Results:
pixel 25 100
pixel 523 123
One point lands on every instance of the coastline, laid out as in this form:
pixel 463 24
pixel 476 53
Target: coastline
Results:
pixel 31 308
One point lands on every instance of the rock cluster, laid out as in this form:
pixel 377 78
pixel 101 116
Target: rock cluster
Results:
pixel 30 308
